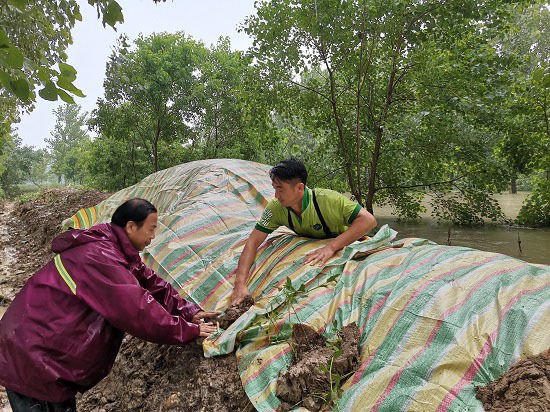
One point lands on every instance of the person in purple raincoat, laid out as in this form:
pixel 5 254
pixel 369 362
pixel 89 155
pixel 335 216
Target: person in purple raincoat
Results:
pixel 63 330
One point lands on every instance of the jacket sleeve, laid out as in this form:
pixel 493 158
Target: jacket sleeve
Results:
pixel 164 293
pixel 104 282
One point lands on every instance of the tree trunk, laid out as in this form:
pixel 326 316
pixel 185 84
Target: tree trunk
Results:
pixel 372 171
pixel 347 164
pixel 155 147
pixel 513 186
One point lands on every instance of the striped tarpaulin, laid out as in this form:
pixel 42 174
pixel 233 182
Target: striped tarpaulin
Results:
pixel 436 321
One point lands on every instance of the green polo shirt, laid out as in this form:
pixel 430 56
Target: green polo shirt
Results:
pixel 337 210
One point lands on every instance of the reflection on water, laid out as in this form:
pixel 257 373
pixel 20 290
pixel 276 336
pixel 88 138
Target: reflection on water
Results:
pixel 535 243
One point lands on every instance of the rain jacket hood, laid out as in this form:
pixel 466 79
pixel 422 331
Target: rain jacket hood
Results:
pixel 63 330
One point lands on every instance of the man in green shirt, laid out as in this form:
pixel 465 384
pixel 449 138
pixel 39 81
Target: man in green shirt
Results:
pixel 319 213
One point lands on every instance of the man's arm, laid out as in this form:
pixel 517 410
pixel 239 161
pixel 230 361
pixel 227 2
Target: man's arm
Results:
pixel 105 284
pixel 254 241
pixel 363 223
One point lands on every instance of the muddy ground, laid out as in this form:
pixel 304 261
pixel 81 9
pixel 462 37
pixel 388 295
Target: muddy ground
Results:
pixel 150 377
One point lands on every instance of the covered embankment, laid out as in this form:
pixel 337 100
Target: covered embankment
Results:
pixel 435 321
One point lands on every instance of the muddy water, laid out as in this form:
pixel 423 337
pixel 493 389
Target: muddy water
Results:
pixel 535 243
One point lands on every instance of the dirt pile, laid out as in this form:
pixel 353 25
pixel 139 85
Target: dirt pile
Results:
pixel 524 387
pixel 234 312
pixel 40 221
pixel 313 380
pixel 150 377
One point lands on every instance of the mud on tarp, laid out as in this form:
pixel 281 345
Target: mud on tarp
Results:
pixel 435 320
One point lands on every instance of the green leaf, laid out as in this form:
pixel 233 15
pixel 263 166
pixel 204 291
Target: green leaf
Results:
pixel 4 41
pixel 14 57
pixel 537 74
pixel 113 14
pixel 49 92
pixel 43 74
pixel 546 81
pixel 5 79
pixel 64 84
pixel 68 72
pixel 20 88
pixel 20 4
pixel 66 97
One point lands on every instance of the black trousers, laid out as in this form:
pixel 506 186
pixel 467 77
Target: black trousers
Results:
pixel 22 403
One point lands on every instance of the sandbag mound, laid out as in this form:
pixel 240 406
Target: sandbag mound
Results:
pixel 525 387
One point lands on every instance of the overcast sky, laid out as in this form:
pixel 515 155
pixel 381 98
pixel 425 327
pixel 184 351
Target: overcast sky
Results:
pixel 204 20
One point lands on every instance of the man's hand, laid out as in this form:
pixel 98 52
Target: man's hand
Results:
pixel 207 328
pixel 320 256
pixel 201 315
pixel 239 293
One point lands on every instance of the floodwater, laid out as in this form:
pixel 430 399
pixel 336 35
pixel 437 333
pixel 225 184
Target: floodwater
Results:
pixel 535 243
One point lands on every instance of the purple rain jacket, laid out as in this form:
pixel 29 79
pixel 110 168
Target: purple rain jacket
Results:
pixel 63 330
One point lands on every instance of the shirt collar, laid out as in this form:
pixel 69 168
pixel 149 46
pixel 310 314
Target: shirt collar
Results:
pixel 305 199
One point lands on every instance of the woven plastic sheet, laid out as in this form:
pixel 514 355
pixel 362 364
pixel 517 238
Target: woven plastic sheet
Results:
pixel 435 320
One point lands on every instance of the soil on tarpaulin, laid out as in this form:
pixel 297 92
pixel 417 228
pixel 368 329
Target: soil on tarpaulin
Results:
pixel 525 387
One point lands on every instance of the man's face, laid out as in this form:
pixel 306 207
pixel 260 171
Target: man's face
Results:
pixel 142 236
pixel 288 192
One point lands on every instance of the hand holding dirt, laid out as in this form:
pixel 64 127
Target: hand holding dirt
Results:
pixel 235 311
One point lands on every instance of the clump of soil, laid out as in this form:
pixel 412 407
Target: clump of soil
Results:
pixel 151 377
pixel 524 387
pixel 304 383
pixel 234 312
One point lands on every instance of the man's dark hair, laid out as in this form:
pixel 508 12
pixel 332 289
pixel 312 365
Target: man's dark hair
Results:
pixel 289 169
pixel 135 210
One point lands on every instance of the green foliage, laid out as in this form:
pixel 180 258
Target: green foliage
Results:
pixel 148 95
pixel 22 164
pixel 33 39
pixel 34 36
pixel 536 209
pixel 170 100
pixel 68 143
pixel 399 94
pixel 335 379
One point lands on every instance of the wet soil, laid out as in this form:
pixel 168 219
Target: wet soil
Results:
pixel 151 377
pixel 234 312
pixel 305 383
pixel 145 376
pixel 525 387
